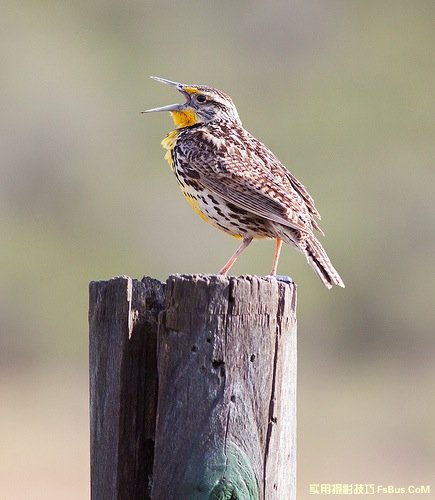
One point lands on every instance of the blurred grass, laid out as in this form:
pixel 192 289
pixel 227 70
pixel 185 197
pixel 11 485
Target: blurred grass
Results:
pixel 341 91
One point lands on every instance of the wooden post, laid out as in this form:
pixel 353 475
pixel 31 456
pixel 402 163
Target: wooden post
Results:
pixel 226 397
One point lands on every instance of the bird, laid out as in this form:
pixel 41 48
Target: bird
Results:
pixel 235 183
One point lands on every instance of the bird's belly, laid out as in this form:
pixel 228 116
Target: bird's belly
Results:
pixel 225 216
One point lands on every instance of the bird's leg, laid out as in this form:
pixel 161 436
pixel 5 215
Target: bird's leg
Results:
pixel 276 256
pixel 244 245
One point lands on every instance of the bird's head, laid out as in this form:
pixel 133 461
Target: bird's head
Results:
pixel 203 105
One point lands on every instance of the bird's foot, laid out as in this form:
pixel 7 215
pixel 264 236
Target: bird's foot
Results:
pixel 284 279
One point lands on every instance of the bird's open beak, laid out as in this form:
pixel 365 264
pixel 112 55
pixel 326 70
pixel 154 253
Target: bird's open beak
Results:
pixel 171 107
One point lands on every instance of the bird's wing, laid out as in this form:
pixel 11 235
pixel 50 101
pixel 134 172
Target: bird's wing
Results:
pixel 251 197
pixel 243 176
pixel 289 181
pixel 309 202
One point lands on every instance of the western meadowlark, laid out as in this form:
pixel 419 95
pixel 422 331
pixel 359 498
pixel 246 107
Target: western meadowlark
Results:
pixel 235 183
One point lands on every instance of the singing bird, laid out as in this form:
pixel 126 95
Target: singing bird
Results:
pixel 234 182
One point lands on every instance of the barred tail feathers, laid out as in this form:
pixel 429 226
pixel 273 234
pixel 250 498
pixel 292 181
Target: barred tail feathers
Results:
pixel 319 261
pixel 314 252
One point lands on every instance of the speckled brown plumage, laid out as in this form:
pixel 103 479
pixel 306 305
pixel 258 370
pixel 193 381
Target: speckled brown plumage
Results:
pixel 236 183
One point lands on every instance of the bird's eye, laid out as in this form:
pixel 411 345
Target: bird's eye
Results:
pixel 201 98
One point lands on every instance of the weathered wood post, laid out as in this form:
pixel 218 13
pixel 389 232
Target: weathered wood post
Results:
pixel 193 388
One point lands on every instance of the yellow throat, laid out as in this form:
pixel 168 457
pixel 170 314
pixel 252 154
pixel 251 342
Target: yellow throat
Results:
pixel 184 118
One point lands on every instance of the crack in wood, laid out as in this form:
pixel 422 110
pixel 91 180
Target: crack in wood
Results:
pixel 271 411
pixel 272 403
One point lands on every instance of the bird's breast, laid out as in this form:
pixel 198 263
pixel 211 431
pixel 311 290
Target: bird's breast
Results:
pixel 168 143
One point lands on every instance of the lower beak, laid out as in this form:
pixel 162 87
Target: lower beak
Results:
pixel 170 107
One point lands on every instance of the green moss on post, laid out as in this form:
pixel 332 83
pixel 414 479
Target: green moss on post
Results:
pixel 238 478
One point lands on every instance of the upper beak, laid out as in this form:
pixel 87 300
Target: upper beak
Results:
pixel 170 107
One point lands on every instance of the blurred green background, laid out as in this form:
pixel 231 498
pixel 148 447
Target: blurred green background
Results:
pixel 342 92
